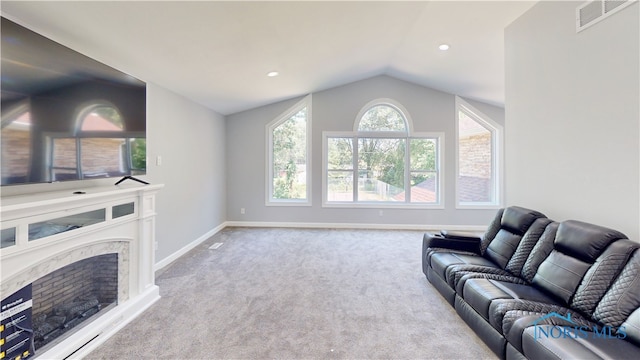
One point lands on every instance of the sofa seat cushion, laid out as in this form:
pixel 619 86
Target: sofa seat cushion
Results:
pixel 561 344
pixel 504 276
pixel 481 293
pixel 515 322
pixel 442 260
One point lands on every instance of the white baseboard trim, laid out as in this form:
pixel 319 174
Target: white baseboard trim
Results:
pixel 269 224
pixel 421 227
pixel 173 257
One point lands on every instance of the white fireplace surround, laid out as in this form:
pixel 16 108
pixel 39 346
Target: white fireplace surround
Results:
pixel 130 234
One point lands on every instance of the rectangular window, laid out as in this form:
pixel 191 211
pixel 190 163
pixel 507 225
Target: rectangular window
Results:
pixel 383 168
pixel 340 169
pixel 424 179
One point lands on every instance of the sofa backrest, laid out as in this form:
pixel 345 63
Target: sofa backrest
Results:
pixel 622 299
pixel 492 230
pixel 540 251
pixel 576 247
pixel 502 239
pixel 526 245
pixel 601 275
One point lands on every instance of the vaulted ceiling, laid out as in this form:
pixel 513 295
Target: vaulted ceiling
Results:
pixel 218 53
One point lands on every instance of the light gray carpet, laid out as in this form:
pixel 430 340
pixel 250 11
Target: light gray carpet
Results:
pixel 298 294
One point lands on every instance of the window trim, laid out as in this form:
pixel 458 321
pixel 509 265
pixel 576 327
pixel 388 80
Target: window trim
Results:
pixel 388 102
pixel 497 148
pixel 269 200
pixel 407 135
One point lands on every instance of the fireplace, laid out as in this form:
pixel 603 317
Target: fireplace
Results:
pixel 69 296
pixel 86 273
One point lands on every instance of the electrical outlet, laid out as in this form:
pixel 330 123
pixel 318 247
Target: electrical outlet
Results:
pixel 242 211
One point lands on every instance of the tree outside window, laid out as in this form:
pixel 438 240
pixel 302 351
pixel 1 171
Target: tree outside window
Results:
pixel 288 156
pixel 381 162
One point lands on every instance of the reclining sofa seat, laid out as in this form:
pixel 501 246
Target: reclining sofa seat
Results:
pixel 523 264
pixel 618 309
pixel 576 273
pixel 492 253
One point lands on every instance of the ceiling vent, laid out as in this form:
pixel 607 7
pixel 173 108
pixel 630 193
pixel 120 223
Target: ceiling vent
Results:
pixel 592 12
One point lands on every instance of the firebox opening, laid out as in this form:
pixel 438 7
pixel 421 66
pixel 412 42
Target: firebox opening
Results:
pixel 69 296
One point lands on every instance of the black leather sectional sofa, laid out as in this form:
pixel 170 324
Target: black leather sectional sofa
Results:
pixel 534 288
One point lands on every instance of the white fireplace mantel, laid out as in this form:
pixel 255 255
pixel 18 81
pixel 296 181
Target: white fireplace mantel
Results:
pixel 93 221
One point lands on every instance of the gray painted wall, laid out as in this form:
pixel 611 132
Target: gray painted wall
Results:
pixel 191 141
pixel 335 110
pixel 572 112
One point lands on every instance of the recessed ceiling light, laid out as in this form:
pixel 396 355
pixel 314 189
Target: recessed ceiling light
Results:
pixel 443 47
pixel 272 73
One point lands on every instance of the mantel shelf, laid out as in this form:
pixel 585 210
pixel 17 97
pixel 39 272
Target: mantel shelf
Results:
pixel 19 202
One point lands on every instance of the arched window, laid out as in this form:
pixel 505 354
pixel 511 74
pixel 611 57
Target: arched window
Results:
pixel 382 117
pixel 382 161
pixel 100 146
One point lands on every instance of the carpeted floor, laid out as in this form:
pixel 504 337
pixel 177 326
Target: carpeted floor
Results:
pixel 298 294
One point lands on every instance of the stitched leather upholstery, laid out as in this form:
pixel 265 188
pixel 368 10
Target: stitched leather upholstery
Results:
pixel 576 248
pixel 540 251
pixel 584 241
pixel 492 230
pixel 600 276
pixel 576 277
pixel 499 244
pixel 514 266
pixel 623 297
pixel 632 327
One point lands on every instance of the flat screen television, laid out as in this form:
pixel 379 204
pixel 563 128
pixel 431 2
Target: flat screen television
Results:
pixel 66 116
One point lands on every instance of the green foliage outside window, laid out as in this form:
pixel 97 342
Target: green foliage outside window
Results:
pixel 380 167
pixel 289 157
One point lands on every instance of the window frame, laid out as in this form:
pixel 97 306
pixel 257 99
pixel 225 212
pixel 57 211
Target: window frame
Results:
pixel 497 155
pixel 406 135
pixel 306 102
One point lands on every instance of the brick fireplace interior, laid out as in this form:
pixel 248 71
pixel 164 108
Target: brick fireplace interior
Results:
pixel 70 296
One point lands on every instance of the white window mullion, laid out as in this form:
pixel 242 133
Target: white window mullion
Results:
pixel 407 170
pixel 356 171
pixel 386 123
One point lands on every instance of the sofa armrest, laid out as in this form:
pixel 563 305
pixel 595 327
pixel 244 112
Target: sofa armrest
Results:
pixel 461 235
pixel 457 241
